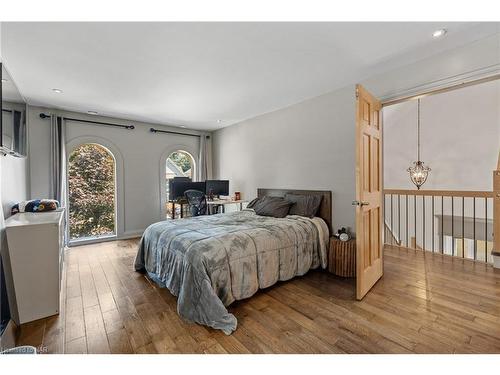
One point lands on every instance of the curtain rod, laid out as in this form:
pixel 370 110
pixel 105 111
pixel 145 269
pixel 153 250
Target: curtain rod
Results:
pixel 129 127
pixel 153 130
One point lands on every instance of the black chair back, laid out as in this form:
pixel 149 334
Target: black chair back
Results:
pixel 197 202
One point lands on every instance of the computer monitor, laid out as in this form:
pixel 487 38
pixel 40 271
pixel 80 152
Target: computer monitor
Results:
pixel 173 181
pixel 217 187
pixel 178 188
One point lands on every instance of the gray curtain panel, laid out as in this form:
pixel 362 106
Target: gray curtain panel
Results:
pixel 58 159
pixel 58 171
pixel 205 159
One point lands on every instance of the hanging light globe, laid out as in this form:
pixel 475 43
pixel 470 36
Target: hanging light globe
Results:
pixel 418 171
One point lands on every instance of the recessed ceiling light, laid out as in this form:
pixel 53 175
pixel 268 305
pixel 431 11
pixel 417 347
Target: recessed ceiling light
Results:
pixel 439 33
pixel 4 80
pixel 92 112
pixel 58 91
pixel 182 126
pixel 219 121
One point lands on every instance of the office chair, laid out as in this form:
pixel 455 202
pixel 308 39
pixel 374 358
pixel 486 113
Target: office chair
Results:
pixel 197 202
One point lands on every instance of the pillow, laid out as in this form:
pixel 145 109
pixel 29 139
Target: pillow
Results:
pixel 304 205
pixel 272 206
pixel 253 203
pixel 35 205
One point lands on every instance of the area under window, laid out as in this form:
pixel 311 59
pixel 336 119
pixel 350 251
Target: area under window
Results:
pixel 92 186
pixel 179 164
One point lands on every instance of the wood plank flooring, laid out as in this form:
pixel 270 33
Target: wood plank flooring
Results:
pixel 424 304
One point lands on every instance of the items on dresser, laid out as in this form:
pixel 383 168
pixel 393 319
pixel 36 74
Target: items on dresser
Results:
pixel 35 205
pixel 35 263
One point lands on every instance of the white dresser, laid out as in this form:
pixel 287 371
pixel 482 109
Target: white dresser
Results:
pixel 36 255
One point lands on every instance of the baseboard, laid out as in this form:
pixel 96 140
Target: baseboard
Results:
pixel 130 235
pixel 89 241
pixel 8 337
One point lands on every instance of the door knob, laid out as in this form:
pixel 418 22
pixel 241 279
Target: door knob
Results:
pixel 358 203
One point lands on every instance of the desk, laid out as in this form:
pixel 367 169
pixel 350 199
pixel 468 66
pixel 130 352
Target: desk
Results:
pixel 181 203
pixel 223 203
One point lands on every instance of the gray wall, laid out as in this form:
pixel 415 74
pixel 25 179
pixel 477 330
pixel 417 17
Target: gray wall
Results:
pixel 309 145
pixel 140 156
pixel 460 139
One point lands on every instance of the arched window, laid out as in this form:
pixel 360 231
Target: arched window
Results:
pixel 92 192
pixel 179 164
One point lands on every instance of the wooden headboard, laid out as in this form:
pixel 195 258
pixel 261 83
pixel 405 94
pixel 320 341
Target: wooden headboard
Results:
pixel 325 209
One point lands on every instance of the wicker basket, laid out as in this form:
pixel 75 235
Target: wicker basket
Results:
pixel 342 257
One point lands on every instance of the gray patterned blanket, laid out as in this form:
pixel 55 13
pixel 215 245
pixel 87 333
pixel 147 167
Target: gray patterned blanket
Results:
pixel 208 262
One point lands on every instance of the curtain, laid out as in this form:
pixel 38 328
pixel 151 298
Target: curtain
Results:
pixel 205 159
pixel 58 175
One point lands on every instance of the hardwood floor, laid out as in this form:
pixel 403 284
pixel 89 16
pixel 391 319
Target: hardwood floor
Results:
pixel 423 304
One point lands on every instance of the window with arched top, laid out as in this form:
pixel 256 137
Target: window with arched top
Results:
pixel 178 164
pixel 92 192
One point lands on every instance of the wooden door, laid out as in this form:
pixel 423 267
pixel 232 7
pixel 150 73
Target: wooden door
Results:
pixel 369 224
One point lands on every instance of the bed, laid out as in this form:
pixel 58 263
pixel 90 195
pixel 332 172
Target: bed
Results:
pixel 209 262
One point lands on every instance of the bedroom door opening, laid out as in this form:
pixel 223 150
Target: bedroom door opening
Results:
pixel 369 192
pixel 92 193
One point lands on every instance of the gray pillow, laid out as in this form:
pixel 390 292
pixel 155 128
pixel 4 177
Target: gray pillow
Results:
pixel 304 205
pixel 253 203
pixel 272 206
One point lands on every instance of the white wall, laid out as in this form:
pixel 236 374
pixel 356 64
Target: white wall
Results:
pixel 14 172
pixel 13 188
pixel 140 156
pixel 309 145
pixel 460 138
pixel 460 141
pixel 479 57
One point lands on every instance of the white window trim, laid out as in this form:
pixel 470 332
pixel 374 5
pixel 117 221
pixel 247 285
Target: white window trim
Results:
pixel 163 167
pixel 120 227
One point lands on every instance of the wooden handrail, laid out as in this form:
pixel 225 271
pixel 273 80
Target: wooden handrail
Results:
pixel 442 193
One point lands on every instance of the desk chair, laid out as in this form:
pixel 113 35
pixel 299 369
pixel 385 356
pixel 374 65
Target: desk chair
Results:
pixel 197 202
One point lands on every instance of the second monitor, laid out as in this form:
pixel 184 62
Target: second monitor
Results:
pixel 217 187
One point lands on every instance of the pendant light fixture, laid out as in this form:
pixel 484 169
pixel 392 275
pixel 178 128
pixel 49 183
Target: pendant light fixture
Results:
pixel 418 172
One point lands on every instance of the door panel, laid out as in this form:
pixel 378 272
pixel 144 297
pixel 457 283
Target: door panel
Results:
pixel 369 250
pixel 366 163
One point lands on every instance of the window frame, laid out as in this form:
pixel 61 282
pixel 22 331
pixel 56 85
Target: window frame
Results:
pixel 163 166
pixel 119 206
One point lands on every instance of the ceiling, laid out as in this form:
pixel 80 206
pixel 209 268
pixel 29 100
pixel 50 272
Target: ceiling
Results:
pixel 208 75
